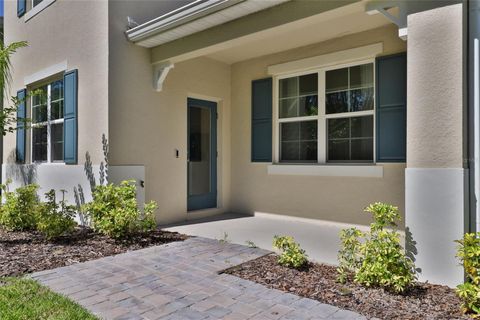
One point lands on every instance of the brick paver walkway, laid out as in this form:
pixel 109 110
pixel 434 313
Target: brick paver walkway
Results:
pixel 180 280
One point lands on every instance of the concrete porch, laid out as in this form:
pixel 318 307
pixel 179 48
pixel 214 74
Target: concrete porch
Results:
pixel 320 239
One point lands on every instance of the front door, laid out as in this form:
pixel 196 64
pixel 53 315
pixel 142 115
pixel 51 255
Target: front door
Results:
pixel 202 154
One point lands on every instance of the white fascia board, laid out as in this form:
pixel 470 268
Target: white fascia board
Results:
pixel 185 14
pixel 344 56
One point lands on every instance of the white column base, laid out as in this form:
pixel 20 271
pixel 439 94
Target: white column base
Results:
pixel 435 205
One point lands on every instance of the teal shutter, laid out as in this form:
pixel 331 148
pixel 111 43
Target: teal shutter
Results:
pixel 70 83
pixel 262 120
pixel 21 133
pixel 21 7
pixel 391 114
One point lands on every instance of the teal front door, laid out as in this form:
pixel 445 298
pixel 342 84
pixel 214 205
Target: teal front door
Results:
pixel 202 154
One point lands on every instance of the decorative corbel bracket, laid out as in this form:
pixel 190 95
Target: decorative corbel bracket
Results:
pixel 382 7
pixel 160 72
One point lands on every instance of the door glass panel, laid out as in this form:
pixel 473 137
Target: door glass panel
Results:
pixel 199 164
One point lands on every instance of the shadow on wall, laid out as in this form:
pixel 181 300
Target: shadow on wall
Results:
pixel 411 247
pixel 88 169
pixel 25 173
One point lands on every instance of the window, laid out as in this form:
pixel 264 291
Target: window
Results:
pixel 35 2
pixel 47 123
pixel 327 115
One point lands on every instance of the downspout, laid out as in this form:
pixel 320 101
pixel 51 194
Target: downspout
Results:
pixel 473 123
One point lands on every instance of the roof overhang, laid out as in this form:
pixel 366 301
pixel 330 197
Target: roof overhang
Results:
pixel 194 17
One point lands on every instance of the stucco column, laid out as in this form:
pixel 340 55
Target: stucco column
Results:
pixel 435 175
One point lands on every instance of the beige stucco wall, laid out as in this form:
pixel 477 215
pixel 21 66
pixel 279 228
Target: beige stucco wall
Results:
pixel 146 127
pixel 435 52
pixel 339 199
pixel 72 31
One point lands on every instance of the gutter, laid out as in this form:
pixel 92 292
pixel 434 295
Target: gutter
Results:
pixel 180 16
pixel 472 219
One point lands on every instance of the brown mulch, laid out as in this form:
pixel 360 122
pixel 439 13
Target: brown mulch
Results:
pixel 26 252
pixel 318 281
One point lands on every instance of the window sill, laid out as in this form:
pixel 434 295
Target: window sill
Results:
pixel 327 170
pixel 37 9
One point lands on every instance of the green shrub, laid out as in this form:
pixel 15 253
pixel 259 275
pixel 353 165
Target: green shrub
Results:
pixel 115 213
pixel 19 208
pixel 292 255
pixel 55 219
pixel 349 254
pixel 376 258
pixel 469 254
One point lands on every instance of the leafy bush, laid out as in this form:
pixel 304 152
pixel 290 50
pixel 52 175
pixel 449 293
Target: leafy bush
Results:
pixel 376 258
pixel 18 211
pixel 469 254
pixel 349 254
pixel 55 219
pixel 292 255
pixel 115 213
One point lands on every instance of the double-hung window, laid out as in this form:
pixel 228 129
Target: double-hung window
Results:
pixel 47 123
pixel 327 115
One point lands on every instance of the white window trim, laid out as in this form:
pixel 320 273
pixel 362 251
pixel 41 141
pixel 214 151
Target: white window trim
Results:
pixel 49 124
pixel 357 170
pixel 37 9
pixel 321 117
pixel 43 74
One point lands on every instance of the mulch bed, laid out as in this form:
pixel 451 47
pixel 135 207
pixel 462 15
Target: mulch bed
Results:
pixel 318 281
pixel 25 252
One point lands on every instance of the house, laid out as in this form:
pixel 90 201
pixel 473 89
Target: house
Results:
pixel 295 108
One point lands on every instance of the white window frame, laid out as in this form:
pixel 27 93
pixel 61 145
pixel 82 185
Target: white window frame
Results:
pixel 321 117
pixel 48 123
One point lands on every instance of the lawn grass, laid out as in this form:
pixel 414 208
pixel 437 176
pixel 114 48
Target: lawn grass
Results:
pixel 26 299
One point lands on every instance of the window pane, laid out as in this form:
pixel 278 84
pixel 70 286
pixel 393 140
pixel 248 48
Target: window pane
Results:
pixel 39 145
pixel 308 106
pixel 298 141
pixel 290 131
pixel 35 2
pixel 57 142
pixel 338 128
pixel 338 150
pixel 57 110
pixel 308 151
pixel 40 96
pixel 289 87
pixel 39 114
pixel 362 127
pixel 336 80
pixel 361 76
pixel 290 151
pixel 308 84
pixel 57 90
pixel 308 130
pixel 289 108
pixel 336 102
pixel 361 99
pixel 362 149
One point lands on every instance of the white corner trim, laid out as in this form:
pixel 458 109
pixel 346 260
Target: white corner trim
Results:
pixel 45 73
pixel 160 72
pixel 37 9
pixel 344 56
pixel 365 171
pixel 403 33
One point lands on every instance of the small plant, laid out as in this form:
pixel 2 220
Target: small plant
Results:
pixel 292 255
pixel 251 244
pixel 376 258
pixel 55 219
pixel 469 255
pixel 115 213
pixel 19 207
pixel 349 254
pixel 225 238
